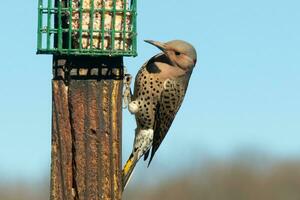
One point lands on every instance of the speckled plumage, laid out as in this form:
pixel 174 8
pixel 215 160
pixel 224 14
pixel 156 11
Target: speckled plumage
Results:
pixel 159 99
pixel 159 90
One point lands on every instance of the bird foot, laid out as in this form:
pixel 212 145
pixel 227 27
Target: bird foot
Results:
pixel 127 90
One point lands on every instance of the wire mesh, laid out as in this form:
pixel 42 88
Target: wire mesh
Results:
pixel 87 27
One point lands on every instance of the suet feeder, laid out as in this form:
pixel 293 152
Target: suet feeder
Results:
pixel 88 39
pixel 87 27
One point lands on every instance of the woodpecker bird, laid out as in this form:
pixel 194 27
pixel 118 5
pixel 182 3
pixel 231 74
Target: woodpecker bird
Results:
pixel 159 89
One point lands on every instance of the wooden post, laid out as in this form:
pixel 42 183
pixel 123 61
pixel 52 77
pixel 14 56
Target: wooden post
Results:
pixel 86 128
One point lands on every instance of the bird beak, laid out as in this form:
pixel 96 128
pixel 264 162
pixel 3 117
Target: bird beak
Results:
pixel 160 45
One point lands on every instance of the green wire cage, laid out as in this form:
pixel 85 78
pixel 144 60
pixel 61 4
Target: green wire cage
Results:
pixel 87 27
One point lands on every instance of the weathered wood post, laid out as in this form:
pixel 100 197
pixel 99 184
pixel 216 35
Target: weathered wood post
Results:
pixel 86 128
pixel 88 39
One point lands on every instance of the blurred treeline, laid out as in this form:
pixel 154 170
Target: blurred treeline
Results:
pixel 236 179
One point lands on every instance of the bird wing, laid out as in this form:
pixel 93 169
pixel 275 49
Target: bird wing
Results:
pixel 166 109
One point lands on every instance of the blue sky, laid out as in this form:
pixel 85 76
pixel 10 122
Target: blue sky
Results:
pixel 243 94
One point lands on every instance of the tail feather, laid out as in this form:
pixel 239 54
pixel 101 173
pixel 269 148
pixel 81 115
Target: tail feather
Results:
pixel 128 169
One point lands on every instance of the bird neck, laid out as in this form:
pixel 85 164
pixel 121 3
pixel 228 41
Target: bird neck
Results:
pixel 169 71
pixel 166 68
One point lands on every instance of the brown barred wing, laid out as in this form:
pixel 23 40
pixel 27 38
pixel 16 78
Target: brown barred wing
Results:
pixel 170 102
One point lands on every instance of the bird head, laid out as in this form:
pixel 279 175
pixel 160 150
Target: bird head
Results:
pixel 180 53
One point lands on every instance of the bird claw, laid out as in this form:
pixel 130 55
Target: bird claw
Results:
pixel 127 90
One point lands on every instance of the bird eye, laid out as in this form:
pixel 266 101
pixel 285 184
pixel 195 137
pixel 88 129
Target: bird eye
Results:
pixel 177 53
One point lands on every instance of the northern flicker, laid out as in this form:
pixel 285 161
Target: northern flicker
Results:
pixel 159 90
